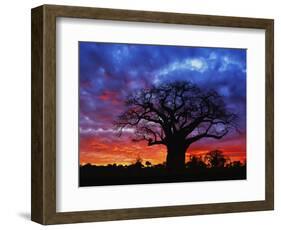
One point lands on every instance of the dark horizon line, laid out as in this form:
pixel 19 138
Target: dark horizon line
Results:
pixel 163 163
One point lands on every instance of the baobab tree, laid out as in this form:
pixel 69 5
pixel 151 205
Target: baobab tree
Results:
pixel 176 115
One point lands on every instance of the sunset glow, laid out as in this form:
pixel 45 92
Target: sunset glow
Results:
pixel 108 73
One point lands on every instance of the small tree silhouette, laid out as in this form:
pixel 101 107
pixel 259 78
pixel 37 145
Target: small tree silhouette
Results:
pixel 196 162
pixel 138 163
pixel 148 164
pixel 216 159
pixel 176 115
pixel 235 164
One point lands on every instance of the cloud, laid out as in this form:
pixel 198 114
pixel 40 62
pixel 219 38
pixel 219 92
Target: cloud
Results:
pixel 105 131
pixel 227 62
pixel 191 64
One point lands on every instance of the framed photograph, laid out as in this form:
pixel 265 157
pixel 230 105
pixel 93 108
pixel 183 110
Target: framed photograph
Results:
pixel 141 114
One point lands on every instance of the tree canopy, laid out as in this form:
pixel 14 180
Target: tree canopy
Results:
pixel 178 108
pixel 176 114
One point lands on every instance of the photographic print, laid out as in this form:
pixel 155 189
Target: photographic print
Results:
pixel 161 114
pixel 141 104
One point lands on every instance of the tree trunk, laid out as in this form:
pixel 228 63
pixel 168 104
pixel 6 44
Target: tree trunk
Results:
pixel 175 160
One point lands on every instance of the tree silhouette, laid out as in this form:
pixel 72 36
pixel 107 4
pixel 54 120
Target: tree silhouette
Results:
pixel 176 115
pixel 196 162
pixel 235 164
pixel 148 164
pixel 216 159
pixel 138 163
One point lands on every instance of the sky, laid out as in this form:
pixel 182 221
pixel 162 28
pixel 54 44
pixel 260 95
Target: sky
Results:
pixel 109 72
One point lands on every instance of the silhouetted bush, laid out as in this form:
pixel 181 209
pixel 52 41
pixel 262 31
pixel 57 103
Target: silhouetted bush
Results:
pixel 216 159
pixel 196 162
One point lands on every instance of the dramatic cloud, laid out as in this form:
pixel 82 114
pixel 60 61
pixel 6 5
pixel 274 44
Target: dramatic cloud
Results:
pixel 108 73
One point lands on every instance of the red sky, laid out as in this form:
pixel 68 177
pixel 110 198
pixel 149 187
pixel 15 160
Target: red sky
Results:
pixel 100 151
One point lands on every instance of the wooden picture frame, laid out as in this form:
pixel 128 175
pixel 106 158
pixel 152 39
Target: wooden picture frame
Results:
pixel 43 202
